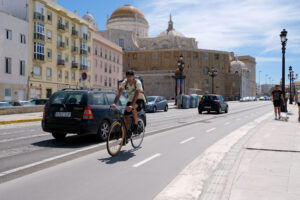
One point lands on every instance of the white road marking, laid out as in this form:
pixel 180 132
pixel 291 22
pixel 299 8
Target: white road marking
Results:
pixel 237 119
pixel 187 140
pixel 146 160
pixel 227 123
pixel 25 137
pixel 210 130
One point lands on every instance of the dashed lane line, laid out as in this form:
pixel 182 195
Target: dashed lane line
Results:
pixel 187 140
pixel 210 130
pixel 146 160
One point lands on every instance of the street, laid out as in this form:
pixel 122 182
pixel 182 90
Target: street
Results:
pixel 173 140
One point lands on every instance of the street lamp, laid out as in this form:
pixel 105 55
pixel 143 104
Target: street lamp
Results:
pixel 292 77
pixel 283 39
pixel 213 73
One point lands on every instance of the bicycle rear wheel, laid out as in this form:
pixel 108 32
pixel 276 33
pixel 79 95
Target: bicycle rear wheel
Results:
pixel 137 138
pixel 115 138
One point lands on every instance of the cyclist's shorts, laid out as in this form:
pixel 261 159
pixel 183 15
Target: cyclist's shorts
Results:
pixel 140 103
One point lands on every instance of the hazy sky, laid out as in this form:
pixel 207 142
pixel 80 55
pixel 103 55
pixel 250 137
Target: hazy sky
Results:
pixel 246 27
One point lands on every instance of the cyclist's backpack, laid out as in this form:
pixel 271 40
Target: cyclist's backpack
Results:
pixel 140 79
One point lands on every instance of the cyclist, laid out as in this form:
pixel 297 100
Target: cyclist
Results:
pixel 136 99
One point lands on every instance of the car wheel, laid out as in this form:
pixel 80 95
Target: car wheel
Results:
pixel 199 111
pixel 226 111
pixel 154 109
pixel 219 110
pixel 103 130
pixel 59 136
pixel 166 109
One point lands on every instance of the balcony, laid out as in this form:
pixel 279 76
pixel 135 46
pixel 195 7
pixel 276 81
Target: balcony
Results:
pixel 38 36
pixel 60 45
pixel 39 57
pixel 83 52
pixel 74 65
pixel 85 36
pixel 38 16
pixel 74 33
pixel 74 50
pixel 61 27
pixel 83 67
pixel 60 63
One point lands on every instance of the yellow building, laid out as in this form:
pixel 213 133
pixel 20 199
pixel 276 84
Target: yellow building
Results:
pixel 59 51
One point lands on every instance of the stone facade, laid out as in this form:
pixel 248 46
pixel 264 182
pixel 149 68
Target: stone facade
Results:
pixel 13 57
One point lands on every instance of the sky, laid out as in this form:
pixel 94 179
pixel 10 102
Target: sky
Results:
pixel 245 27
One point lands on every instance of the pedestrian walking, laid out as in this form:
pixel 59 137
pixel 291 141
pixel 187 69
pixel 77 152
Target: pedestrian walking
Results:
pixel 277 98
pixel 297 101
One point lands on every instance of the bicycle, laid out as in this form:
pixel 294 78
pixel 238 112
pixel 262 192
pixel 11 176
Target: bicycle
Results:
pixel 118 132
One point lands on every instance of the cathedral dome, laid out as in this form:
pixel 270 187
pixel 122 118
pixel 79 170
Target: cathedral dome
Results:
pixel 127 11
pixel 170 31
pixel 237 66
pixel 89 18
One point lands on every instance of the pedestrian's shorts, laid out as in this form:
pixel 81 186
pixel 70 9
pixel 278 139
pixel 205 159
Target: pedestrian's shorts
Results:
pixel 140 103
pixel 276 103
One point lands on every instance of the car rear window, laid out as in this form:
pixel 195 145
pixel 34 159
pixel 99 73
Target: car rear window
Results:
pixel 98 99
pixel 209 98
pixel 75 98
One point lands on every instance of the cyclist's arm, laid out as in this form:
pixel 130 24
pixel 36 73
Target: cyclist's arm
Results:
pixel 136 94
pixel 118 96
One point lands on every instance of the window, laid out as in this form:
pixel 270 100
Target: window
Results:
pixel 39 51
pixel 105 69
pixel 154 55
pixel 66 58
pixel 59 74
pixel 8 65
pixel 114 69
pixel 110 69
pixel 9 34
pixel 22 67
pixel 109 82
pixel 66 76
pixel 105 81
pixel 83 46
pixel 23 39
pixel 49 72
pixel 121 43
pixel 49 53
pixel 7 94
pixel 205 71
pixel 105 56
pixel 73 76
pixel 95 77
pixel 117 69
pixel 37 71
pixel 205 56
pixel 49 35
pixel 39 28
pixel 67 25
pixel 49 16
pixel 96 51
pixel 100 52
pixel 98 99
pixel 39 8
pixel 67 41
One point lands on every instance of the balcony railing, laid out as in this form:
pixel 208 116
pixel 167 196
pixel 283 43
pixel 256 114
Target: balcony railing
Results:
pixel 38 16
pixel 38 56
pixel 74 49
pixel 60 62
pixel 83 67
pixel 61 44
pixel 38 36
pixel 83 52
pixel 74 33
pixel 60 26
pixel 74 65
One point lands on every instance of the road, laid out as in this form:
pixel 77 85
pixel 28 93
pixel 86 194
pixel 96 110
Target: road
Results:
pixel 140 174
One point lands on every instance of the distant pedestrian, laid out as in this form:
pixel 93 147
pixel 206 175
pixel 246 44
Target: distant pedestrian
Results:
pixel 297 101
pixel 277 98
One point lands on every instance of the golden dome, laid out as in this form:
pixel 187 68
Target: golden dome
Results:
pixel 127 11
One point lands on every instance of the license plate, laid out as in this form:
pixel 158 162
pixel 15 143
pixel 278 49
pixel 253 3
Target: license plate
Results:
pixel 207 107
pixel 62 114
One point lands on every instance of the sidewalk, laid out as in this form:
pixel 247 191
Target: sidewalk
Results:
pixel 20 118
pixel 268 166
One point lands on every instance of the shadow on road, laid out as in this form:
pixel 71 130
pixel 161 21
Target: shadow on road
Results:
pixel 121 157
pixel 71 142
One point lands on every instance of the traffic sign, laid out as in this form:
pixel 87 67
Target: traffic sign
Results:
pixel 84 76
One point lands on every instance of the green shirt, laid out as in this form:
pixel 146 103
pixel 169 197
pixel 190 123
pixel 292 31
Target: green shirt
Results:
pixel 130 89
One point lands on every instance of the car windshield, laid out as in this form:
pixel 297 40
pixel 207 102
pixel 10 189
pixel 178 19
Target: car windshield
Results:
pixel 74 97
pixel 151 99
pixel 209 98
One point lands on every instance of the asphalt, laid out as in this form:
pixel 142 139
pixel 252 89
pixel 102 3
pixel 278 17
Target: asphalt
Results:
pixel 139 174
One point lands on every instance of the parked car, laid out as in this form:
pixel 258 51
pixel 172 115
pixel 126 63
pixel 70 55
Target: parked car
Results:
pixel 212 102
pixel 15 103
pixel 262 98
pixel 5 104
pixel 27 103
pixel 39 101
pixel 82 112
pixel 155 103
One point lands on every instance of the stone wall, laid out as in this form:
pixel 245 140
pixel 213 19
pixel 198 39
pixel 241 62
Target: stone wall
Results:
pixel 20 109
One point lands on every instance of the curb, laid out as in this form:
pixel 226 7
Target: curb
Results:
pixel 20 121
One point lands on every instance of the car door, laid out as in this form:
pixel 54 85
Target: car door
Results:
pixel 99 105
pixel 114 114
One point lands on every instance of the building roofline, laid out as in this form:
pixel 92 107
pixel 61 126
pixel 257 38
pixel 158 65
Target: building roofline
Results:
pixel 4 12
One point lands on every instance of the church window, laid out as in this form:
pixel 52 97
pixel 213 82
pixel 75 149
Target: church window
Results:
pixel 205 56
pixel 121 43
pixel 216 56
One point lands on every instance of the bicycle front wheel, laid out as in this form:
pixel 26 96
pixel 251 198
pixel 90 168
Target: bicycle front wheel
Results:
pixel 115 138
pixel 137 138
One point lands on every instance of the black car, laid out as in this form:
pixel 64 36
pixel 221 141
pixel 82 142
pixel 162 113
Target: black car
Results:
pixel 212 102
pixel 82 112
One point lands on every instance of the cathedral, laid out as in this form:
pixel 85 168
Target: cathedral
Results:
pixel 155 59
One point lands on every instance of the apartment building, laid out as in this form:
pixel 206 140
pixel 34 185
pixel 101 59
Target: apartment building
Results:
pixel 13 57
pixel 59 50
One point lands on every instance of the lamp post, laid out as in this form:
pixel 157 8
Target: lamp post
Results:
pixel 292 78
pixel 212 73
pixel 179 78
pixel 283 44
